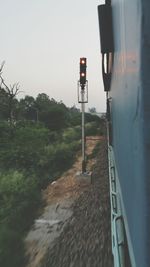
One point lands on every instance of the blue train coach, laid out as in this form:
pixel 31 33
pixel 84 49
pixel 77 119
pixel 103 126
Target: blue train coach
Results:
pixel 125 47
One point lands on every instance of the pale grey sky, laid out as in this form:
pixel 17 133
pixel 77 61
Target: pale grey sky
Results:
pixel 42 42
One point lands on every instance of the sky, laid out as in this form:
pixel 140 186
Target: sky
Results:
pixel 42 42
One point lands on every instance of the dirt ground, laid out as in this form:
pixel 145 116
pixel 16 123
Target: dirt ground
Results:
pixel 74 228
pixel 67 186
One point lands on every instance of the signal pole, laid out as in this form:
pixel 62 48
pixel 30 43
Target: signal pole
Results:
pixel 83 132
pixel 83 98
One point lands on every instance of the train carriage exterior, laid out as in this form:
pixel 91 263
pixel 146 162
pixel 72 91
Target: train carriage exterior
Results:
pixel 127 86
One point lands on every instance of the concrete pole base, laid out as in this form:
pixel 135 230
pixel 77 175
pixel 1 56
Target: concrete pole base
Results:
pixel 86 176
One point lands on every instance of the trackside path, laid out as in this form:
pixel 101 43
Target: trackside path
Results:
pixel 85 240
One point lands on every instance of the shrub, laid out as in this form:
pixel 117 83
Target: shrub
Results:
pixel 23 150
pixel 71 134
pixel 11 248
pixel 91 128
pixel 57 158
pixel 19 197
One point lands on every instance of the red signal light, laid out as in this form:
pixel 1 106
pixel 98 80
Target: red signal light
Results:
pixel 83 74
pixel 82 61
pixel 82 70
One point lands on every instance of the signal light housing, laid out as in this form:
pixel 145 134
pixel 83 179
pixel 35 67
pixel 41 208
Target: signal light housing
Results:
pixel 82 71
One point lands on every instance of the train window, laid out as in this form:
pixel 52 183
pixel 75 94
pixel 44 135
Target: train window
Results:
pixel 108 63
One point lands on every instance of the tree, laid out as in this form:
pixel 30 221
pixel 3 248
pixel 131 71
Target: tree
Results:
pixel 28 108
pixel 55 118
pixel 74 109
pixel 42 102
pixel 92 110
pixel 10 92
pixel 3 105
pixel 52 113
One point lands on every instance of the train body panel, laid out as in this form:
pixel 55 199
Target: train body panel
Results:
pixel 130 114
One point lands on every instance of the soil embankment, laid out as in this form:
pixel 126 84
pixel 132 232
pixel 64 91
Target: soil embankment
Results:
pixel 74 229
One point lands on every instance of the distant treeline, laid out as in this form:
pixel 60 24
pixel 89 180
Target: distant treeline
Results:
pixel 54 115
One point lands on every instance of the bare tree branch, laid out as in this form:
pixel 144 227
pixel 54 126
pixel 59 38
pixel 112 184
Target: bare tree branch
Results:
pixel 1 67
pixel 12 91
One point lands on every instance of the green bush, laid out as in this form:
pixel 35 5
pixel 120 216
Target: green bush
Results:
pixel 56 159
pixel 11 248
pixel 22 151
pixel 91 118
pixel 37 151
pixel 91 128
pixel 72 134
pixel 19 196
pixel 19 199
pixel 75 118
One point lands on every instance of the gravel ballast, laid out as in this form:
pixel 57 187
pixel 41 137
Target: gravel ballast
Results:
pixel 86 239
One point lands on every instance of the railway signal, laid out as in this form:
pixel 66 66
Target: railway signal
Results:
pixel 82 72
pixel 83 98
